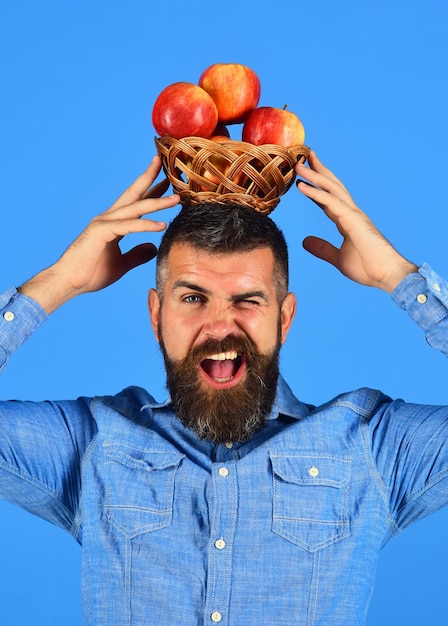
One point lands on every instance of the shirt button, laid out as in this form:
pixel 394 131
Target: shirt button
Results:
pixel 8 316
pixel 216 617
pixel 220 544
pixel 436 287
pixel 223 471
pixel 313 471
pixel 229 445
pixel 421 298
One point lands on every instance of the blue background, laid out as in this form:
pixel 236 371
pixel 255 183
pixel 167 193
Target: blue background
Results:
pixel 368 80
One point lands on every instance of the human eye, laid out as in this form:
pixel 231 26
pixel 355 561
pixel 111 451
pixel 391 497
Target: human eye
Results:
pixel 251 300
pixel 248 303
pixel 193 298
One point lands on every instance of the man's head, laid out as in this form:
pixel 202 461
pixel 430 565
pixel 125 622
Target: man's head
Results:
pixel 220 314
pixel 223 229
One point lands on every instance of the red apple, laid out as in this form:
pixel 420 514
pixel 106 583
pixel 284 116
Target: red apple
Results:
pixel 219 138
pixel 235 89
pixel 275 126
pixel 222 165
pixel 184 110
pixel 221 132
pixel 218 162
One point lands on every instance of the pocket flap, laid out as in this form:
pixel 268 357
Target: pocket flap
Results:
pixel 145 460
pixel 324 470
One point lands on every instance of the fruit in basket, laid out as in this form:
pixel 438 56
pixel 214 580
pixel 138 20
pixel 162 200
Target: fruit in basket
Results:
pixel 235 89
pixel 220 138
pixel 183 110
pixel 222 164
pixel 220 132
pixel 270 125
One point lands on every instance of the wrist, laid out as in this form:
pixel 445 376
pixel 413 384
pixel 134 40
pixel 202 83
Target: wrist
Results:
pixel 400 272
pixel 48 289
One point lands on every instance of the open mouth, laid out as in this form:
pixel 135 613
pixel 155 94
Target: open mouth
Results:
pixel 223 369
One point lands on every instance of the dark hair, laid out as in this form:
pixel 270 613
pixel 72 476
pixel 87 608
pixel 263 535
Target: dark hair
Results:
pixel 223 228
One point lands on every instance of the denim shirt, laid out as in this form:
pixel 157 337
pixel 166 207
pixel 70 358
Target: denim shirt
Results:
pixel 284 529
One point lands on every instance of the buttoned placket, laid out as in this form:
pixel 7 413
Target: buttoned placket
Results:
pixel 223 516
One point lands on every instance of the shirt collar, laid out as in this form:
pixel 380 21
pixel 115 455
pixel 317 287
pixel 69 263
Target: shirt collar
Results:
pixel 285 403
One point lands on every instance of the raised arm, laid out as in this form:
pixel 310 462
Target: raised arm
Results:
pixel 365 255
pixel 94 260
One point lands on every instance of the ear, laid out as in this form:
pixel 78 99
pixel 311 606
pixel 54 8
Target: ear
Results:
pixel 287 313
pixel 154 311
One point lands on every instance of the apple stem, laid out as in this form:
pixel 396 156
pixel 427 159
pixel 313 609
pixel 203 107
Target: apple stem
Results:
pixel 285 107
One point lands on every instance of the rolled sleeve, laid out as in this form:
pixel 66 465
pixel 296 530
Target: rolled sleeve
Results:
pixel 424 296
pixel 20 316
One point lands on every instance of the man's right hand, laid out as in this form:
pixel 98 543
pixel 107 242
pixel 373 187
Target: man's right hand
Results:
pixel 94 260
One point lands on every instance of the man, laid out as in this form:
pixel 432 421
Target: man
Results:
pixel 233 502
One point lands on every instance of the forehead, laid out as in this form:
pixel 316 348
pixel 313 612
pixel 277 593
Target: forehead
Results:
pixel 231 271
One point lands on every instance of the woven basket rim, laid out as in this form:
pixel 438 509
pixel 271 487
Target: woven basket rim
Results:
pixel 229 170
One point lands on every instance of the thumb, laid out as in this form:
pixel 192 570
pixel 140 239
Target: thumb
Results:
pixel 139 255
pixel 321 249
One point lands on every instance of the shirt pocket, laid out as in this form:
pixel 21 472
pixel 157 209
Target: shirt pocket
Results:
pixel 310 499
pixel 139 488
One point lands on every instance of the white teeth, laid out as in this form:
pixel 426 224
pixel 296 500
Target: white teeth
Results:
pixel 224 356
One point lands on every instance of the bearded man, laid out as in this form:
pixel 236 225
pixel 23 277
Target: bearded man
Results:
pixel 233 502
pixel 222 278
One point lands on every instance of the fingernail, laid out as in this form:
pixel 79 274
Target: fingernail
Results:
pixel 305 182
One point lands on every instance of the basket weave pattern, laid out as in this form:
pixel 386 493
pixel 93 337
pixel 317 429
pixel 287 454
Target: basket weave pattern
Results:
pixel 201 170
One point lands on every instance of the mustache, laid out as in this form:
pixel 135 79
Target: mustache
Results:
pixel 221 415
pixel 237 343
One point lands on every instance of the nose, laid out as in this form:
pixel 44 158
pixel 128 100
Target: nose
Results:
pixel 219 321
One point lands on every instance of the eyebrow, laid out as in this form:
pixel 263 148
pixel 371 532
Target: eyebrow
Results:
pixel 185 284
pixel 246 295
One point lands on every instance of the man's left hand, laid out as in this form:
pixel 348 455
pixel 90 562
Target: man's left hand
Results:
pixel 365 255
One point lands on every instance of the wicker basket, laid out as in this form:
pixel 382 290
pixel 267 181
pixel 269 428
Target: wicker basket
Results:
pixel 201 170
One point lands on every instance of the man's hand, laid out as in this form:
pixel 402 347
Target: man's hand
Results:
pixel 94 260
pixel 365 256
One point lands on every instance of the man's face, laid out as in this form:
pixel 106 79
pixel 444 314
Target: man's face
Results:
pixel 220 327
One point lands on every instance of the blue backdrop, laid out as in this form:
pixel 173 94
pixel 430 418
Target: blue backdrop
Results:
pixel 368 79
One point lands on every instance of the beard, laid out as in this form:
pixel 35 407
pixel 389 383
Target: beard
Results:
pixel 233 414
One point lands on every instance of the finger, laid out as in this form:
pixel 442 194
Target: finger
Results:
pixel 139 255
pixel 302 189
pixel 152 205
pixel 317 165
pixel 141 207
pixel 319 196
pixel 337 209
pixel 321 181
pixel 322 177
pixel 139 187
pixel 157 190
pixel 107 231
pixel 321 249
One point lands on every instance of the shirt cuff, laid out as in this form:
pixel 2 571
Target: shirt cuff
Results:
pixel 20 316
pixel 424 295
